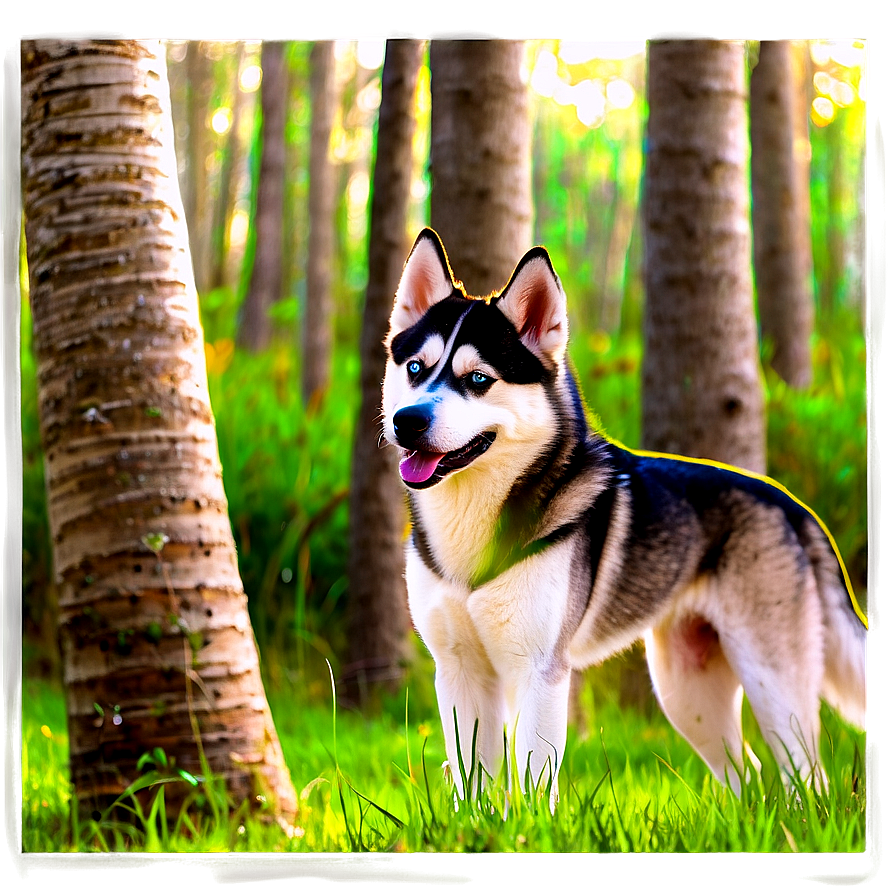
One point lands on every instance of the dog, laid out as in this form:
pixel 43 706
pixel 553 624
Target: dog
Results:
pixel 538 546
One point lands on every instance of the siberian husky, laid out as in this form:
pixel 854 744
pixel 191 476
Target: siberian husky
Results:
pixel 538 547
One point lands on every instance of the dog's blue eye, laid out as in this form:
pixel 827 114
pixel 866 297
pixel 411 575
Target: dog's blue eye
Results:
pixel 477 378
pixel 414 367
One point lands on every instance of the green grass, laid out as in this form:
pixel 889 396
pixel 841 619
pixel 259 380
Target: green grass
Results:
pixel 376 785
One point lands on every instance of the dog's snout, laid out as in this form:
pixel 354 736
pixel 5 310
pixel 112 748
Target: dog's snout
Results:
pixel 412 422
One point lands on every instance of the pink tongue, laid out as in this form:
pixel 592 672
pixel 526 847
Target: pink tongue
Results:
pixel 419 466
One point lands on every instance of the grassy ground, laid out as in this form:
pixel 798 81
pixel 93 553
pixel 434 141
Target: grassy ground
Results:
pixel 368 784
pixel 376 784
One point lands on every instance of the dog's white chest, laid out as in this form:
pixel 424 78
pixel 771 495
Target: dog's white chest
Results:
pixel 515 622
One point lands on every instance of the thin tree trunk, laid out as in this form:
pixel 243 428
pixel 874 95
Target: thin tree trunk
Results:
pixel 541 166
pixel 701 393
pixel 836 291
pixel 317 336
pixel 198 200
pixel 295 210
pixel 780 215
pixel 264 284
pixel 158 650
pixel 233 159
pixel 176 61
pixel 803 92
pixel 481 203
pixel 378 620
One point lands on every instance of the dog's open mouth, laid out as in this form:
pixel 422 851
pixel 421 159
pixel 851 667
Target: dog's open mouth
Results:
pixel 420 469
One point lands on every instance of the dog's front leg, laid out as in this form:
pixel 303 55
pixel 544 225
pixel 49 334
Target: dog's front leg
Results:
pixel 471 704
pixel 538 731
pixel 520 618
pixel 472 712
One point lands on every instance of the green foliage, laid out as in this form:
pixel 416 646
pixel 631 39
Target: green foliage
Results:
pixel 286 475
pixel 608 375
pixel 817 438
pixel 837 199
pixel 585 209
pixel 38 588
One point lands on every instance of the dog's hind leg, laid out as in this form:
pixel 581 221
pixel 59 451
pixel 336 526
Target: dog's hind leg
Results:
pixel 772 632
pixel 768 613
pixel 700 693
pixel 783 690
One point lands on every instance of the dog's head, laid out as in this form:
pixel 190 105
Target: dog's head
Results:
pixel 466 375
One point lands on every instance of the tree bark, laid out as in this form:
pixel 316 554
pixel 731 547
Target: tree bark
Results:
pixel 701 393
pixel 781 251
pixel 317 336
pixel 158 650
pixel 378 617
pixel 481 202
pixel 264 284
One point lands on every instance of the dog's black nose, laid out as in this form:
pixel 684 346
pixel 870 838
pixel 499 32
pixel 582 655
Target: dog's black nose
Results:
pixel 411 422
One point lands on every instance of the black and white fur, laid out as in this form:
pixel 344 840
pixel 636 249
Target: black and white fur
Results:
pixel 539 547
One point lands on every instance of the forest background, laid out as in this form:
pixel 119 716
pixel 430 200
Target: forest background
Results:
pixel 286 470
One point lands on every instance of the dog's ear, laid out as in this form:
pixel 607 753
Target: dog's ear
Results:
pixel 534 302
pixel 426 279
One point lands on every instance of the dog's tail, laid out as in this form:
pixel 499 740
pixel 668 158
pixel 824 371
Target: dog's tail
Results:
pixel 845 625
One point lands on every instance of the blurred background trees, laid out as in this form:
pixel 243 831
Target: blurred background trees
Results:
pixel 481 197
pixel 317 324
pixel 700 389
pixel 779 142
pixel 576 125
pixel 266 280
pixel 378 620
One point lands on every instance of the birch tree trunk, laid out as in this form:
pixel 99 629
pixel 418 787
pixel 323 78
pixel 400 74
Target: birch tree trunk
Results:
pixel 481 203
pixel 378 617
pixel 317 336
pixel 781 231
pixel 158 650
pixel 700 375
